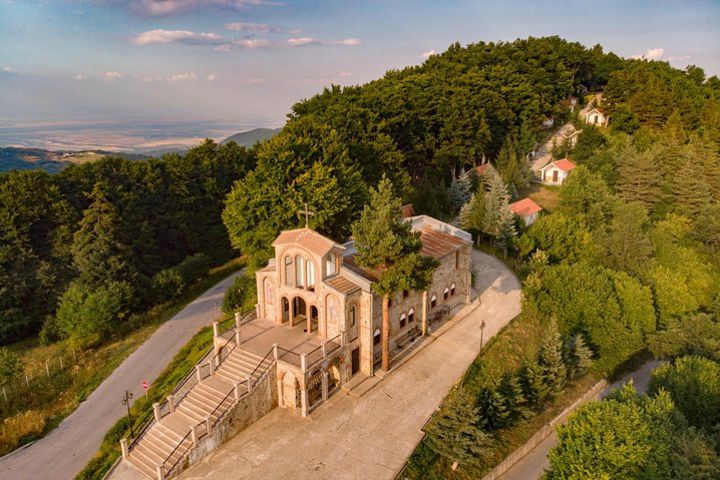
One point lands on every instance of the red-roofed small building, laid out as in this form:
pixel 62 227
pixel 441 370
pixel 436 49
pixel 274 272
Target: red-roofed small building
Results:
pixel 407 211
pixel 526 209
pixel 483 169
pixel 597 117
pixel 556 172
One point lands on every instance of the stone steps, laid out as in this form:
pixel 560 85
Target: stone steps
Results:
pixel 162 439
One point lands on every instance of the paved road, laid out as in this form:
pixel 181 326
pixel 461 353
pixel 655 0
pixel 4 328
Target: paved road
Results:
pixel 373 435
pixel 534 463
pixel 65 451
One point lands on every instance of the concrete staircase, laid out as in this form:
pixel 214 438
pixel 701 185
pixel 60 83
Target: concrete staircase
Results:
pixel 171 438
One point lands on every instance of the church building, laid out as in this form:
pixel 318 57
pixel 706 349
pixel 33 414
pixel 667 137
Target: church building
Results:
pixel 316 284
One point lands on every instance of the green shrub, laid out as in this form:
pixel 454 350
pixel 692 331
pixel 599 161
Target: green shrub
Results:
pixel 167 284
pixel 10 365
pixel 87 315
pixel 194 267
pixel 242 294
pixel 49 332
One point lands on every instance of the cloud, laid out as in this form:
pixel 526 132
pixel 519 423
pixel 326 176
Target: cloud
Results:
pixel 112 75
pixel 176 36
pixel 182 77
pixel 345 74
pixel 223 48
pixel 678 58
pixel 427 54
pixel 298 42
pixel 79 77
pixel 7 69
pixel 350 42
pixel 252 43
pixel 163 8
pixel 650 54
pixel 251 27
pixel 212 77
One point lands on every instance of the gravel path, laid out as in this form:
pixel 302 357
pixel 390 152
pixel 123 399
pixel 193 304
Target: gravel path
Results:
pixel 64 452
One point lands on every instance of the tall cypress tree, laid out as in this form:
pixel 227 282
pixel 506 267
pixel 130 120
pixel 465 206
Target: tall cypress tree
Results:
pixel 691 192
pixel 493 409
pixel 579 356
pixel 498 221
pixel 534 386
pixel 638 176
pixel 515 401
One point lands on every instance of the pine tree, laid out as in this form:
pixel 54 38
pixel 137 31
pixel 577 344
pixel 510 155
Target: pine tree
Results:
pixel 472 214
pixel 385 242
pixel 498 221
pixel 534 386
pixel 100 247
pixel 638 177
pixel 493 409
pixel 460 191
pixel 550 358
pixel 454 432
pixel 515 401
pixel 691 192
pixel 579 358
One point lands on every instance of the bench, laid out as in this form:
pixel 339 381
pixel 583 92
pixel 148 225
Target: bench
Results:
pixel 408 337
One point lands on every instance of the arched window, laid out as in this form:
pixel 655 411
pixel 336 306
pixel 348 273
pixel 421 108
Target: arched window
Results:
pixel 310 274
pixel 433 301
pixel 452 289
pixel 299 271
pixel 376 337
pixel 446 293
pixel 411 315
pixel 330 264
pixel 403 318
pixel 288 270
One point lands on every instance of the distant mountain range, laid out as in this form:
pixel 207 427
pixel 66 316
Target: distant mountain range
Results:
pixel 251 137
pixel 18 158
pixel 53 161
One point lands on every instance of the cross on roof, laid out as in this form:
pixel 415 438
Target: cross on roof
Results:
pixel 307 214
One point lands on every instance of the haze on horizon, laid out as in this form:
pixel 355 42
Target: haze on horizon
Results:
pixel 184 69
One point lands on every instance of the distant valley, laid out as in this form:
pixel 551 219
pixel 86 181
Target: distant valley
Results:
pixel 53 161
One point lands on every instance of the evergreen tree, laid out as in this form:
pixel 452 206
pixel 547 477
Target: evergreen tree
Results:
pixel 515 402
pixel 472 214
pixel 579 356
pixel 550 358
pixel 100 249
pixel 498 221
pixel 454 432
pixel 459 191
pixel 691 192
pixel 534 385
pixel 638 176
pixel 493 409
pixel 385 242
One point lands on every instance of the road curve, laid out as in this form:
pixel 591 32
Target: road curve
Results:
pixel 371 436
pixel 62 453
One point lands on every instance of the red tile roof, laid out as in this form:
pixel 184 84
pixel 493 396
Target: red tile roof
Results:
pixel 342 285
pixel 482 169
pixel 438 244
pixel 351 264
pixel 525 207
pixel 306 238
pixel 565 165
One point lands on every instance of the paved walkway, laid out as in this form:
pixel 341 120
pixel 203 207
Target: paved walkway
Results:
pixel 373 435
pixel 65 451
pixel 533 464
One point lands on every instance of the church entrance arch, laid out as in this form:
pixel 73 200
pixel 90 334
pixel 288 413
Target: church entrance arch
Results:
pixel 285 310
pixel 299 310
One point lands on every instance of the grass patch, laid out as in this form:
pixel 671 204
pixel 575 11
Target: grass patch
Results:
pixel 30 413
pixel 548 197
pixel 141 410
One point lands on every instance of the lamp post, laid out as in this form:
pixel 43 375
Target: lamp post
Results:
pixel 482 331
pixel 126 401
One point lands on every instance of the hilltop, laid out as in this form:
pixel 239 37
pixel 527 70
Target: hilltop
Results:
pixel 19 158
pixel 251 137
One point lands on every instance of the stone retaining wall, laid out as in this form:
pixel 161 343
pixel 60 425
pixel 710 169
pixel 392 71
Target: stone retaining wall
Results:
pixel 249 410
pixel 543 433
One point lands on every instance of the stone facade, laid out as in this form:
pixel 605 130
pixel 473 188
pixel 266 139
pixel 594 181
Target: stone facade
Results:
pixel 315 281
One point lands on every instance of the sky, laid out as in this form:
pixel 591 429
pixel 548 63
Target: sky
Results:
pixel 192 68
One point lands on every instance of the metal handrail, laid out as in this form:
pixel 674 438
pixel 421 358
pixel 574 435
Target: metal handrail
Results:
pixel 182 457
pixel 260 364
pixel 142 433
pixel 216 421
